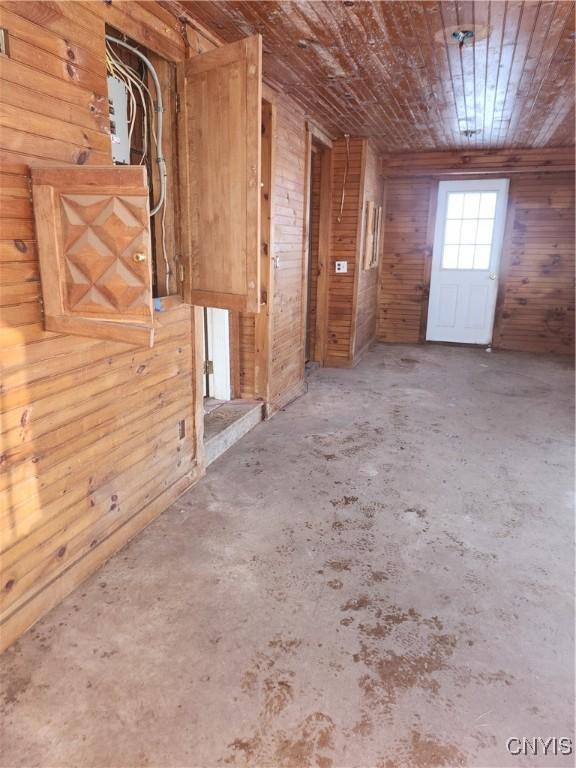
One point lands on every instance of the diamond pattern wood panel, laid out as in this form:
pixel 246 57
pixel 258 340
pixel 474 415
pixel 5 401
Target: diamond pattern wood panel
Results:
pixel 104 240
pixel 93 232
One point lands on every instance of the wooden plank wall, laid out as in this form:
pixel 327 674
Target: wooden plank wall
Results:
pixel 405 254
pixel 352 297
pixel 288 231
pixel 83 420
pixel 367 287
pixel 346 178
pixel 535 310
pixel 478 161
pixel 288 220
pixel 314 232
pixel 246 330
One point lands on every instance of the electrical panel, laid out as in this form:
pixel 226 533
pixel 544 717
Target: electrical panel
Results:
pixel 118 106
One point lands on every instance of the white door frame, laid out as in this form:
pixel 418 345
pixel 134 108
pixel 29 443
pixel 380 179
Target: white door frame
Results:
pixel 479 278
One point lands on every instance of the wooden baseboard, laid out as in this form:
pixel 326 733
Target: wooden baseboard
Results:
pixel 40 603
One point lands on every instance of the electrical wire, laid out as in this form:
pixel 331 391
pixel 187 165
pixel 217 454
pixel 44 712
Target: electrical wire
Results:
pixel 159 110
pixel 115 68
pixel 345 177
pixel 131 79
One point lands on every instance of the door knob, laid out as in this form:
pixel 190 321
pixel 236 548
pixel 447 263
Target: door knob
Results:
pixel 492 275
pixel 139 257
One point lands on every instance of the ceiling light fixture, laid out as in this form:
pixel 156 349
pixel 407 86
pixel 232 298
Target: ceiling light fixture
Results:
pixel 461 35
pixel 458 34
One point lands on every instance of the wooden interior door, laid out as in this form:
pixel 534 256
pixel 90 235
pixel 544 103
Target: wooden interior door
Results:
pixel 219 130
pixel 93 233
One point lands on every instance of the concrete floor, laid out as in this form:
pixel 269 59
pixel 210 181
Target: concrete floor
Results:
pixel 382 576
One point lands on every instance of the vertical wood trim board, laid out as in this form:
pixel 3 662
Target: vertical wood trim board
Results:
pixel 314 258
pixel 288 232
pixel 306 256
pixel 346 175
pixel 262 328
pixel 367 288
pixel 352 297
pixel 324 262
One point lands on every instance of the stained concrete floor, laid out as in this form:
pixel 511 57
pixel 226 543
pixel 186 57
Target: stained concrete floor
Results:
pixel 381 576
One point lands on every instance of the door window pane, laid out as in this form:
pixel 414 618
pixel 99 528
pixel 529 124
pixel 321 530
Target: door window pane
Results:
pixel 455 205
pixel 450 257
pixel 466 257
pixel 452 236
pixel 487 205
pixel 482 257
pixel 484 232
pixel 469 230
pixel 471 205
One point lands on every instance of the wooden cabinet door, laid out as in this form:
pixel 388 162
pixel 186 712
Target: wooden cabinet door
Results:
pixel 93 233
pixel 220 130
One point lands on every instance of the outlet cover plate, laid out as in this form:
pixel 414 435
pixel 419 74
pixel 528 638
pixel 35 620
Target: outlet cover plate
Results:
pixel 341 267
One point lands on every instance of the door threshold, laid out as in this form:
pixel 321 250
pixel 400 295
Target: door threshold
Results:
pixel 227 423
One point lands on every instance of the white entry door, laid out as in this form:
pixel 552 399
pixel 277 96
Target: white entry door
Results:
pixel 470 221
pixel 217 354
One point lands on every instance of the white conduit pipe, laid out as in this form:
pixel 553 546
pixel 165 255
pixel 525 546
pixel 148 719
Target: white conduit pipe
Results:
pixel 160 112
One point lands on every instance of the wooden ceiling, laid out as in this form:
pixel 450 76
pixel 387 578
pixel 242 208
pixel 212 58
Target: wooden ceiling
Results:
pixel 391 70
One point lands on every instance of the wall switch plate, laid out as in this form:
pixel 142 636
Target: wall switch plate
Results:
pixel 341 266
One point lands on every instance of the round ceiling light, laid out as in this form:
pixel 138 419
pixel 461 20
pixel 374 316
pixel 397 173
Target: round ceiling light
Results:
pixel 461 34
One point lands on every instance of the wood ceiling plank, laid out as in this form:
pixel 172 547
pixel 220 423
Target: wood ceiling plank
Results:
pixel 465 16
pixel 564 134
pixel 533 64
pixel 417 96
pixel 553 99
pixel 390 71
pixel 508 46
pixel 447 106
pixel 429 71
pixel 507 100
pixel 448 12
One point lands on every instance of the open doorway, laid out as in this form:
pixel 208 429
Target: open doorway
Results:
pixel 217 375
pixel 227 417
